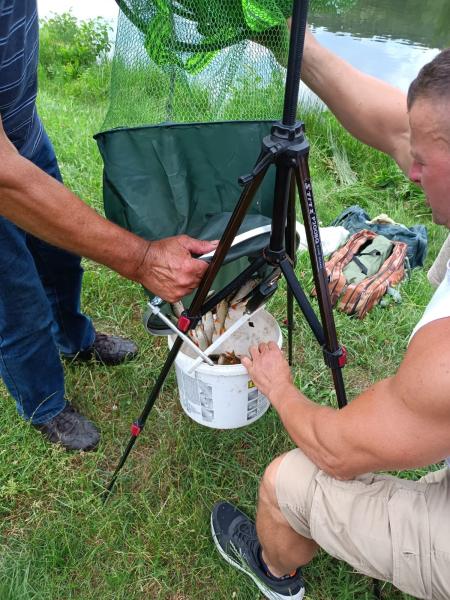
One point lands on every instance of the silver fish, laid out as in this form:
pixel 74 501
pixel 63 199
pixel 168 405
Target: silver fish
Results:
pixel 201 337
pixel 177 308
pixel 208 326
pixel 221 315
pixel 244 291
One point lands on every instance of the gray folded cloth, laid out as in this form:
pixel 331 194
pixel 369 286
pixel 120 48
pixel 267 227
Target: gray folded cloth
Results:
pixel 438 269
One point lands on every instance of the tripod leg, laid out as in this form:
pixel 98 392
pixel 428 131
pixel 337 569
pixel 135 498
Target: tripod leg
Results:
pixel 138 425
pixel 226 240
pixel 331 346
pixel 291 250
pixel 290 323
pixel 315 325
pixel 302 300
pixel 194 309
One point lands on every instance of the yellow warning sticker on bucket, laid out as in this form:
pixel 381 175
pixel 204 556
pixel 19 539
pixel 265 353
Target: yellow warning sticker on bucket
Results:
pixel 250 384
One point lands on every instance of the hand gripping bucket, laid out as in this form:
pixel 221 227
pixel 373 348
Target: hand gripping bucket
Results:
pixel 223 396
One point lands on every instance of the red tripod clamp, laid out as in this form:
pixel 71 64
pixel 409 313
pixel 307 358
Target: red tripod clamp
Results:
pixel 185 323
pixel 135 429
pixel 335 359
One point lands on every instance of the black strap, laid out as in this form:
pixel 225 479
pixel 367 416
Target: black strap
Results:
pixel 360 264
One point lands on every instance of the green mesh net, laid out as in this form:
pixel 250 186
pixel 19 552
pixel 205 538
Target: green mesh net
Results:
pixel 191 61
pixel 198 61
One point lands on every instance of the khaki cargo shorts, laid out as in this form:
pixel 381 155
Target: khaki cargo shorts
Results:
pixel 385 527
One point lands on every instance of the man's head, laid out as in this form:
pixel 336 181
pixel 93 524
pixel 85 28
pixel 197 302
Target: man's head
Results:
pixel 432 81
pixel 429 116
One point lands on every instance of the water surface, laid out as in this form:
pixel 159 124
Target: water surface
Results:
pixel 390 39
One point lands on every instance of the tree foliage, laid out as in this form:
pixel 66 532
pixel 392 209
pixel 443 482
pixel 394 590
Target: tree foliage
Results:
pixel 68 46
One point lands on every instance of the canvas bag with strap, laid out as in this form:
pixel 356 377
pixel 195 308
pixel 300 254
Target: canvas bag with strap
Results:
pixel 360 272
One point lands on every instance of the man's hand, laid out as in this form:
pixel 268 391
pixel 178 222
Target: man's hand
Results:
pixel 168 269
pixel 269 370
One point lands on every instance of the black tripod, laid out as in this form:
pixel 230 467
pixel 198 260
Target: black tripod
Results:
pixel 287 148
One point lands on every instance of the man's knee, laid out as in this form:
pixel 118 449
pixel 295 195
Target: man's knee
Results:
pixel 290 473
pixel 290 484
pixel 267 489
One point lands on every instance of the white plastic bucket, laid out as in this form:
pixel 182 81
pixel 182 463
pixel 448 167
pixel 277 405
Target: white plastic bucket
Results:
pixel 223 396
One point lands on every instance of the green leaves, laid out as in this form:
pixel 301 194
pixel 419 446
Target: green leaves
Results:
pixel 69 47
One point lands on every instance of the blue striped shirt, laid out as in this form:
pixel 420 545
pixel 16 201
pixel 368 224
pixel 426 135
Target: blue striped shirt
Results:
pixel 19 35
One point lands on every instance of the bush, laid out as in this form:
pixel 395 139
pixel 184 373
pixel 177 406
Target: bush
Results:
pixel 69 47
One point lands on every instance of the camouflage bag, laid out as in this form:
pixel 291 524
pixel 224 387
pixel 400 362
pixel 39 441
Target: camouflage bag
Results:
pixel 360 272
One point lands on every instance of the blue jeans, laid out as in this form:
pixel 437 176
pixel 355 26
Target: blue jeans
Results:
pixel 39 313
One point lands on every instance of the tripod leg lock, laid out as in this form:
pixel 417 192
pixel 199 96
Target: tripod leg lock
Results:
pixel 136 429
pixel 337 359
pixel 185 323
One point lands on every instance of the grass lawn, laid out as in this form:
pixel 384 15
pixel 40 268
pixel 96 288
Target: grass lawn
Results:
pixel 152 540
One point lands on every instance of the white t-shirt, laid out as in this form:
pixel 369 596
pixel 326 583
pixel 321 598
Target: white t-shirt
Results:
pixel 438 308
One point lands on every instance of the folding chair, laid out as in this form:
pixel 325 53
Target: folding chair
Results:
pixel 196 85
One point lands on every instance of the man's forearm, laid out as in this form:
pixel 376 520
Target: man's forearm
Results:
pixel 41 205
pixel 310 427
pixel 370 109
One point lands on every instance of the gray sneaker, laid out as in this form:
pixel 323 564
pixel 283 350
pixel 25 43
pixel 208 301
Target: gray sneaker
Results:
pixel 71 429
pixel 234 535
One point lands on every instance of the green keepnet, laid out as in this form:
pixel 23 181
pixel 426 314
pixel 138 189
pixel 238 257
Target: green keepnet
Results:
pixel 195 86
pixel 218 25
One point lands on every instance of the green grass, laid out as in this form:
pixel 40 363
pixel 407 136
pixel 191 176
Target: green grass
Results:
pixel 152 540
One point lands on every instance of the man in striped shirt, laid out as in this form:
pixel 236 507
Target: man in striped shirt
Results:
pixel 40 316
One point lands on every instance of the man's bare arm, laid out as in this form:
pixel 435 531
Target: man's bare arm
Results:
pixel 399 423
pixel 370 109
pixel 44 207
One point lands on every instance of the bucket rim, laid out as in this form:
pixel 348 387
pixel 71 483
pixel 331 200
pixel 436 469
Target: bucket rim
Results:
pixel 224 370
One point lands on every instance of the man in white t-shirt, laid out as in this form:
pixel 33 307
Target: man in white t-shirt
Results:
pixel 325 493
